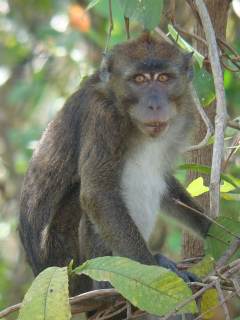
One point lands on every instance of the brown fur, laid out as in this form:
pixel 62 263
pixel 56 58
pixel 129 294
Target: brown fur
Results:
pixel 74 175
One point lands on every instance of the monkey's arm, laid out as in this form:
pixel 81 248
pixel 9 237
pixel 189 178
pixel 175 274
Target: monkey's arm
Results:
pixel 106 210
pixel 100 170
pixel 192 219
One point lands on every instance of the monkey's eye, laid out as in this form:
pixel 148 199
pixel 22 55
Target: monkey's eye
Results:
pixel 139 78
pixel 163 77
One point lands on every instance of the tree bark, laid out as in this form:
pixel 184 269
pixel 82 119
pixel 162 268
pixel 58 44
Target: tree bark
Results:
pixel 218 11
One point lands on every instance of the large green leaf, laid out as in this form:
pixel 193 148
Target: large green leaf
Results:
pixel 151 288
pixel 204 85
pixel 47 298
pixel 129 7
pixel 147 12
pixel 218 240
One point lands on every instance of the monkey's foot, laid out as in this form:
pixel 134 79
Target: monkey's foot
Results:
pixel 169 264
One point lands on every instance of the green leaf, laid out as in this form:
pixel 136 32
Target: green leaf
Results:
pixel 204 267
pixel 209 300
pixel 204 85
pixel 197 187
pixel 129 7
pixel 207 170
pixel 151 288
pixel 47 298
pixel 226 187
pixel 203 81
pixel 185 45
pixel 229 197
pixel 147 12
pixel 218 240
pixel 92 4
pixel 150 12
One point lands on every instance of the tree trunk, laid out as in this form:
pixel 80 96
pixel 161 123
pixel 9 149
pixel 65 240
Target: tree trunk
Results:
pixel 218 11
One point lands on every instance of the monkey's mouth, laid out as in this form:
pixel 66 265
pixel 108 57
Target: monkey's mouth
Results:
pixel 154 128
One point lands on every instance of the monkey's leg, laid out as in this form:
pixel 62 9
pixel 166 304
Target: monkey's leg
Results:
pixel 90 243
pixel 54 242
pixel 92 246
pixel 192 218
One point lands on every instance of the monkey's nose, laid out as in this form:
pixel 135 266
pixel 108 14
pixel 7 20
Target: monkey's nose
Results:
pixel 154 107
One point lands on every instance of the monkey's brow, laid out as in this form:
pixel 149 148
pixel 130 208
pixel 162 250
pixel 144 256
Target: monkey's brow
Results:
pixel 153 65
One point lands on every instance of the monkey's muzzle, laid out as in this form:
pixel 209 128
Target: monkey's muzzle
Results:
pixel 155 128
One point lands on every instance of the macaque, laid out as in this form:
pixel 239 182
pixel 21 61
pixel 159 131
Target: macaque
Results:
pixel 103 167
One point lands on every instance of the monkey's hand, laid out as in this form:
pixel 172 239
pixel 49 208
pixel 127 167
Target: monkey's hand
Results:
pixel 169 264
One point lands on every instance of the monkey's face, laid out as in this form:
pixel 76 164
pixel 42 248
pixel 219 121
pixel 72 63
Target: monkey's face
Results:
pixel 154 93
pixel 148 79
pixel 154 89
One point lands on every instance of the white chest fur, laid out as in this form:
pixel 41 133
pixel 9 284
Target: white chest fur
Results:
pixel 143 184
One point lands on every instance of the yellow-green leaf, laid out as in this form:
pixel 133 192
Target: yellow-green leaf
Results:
pixel 226 187
pixel 204 267
pixel 209 300
pixel 185 45
pixel 197 187
pixel 150 288
pixel 47 298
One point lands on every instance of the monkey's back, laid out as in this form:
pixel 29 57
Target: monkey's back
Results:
pixel 51 188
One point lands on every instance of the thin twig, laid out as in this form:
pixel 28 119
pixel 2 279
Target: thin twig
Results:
pixel 228 253
pixel 207 217
pixel 83 298
pixel 193 297
pixel 10 310
pixel 108 314
pixel 205 119
pixel 232 271
pixel 94 294
pixel 221 110
pixel 236 284
pixel 233 149
pixel 222 44
pixel 163 35
pixel 222 300
pixel 226 66
pixel 126 21
pixel 230 48
pixel 129 310
pixel 191 35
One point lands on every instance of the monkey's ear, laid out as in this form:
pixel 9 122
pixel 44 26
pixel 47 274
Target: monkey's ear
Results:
pixel 188 65
pixel 106 67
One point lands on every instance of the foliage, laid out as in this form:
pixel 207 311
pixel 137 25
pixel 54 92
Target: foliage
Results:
pixel 47 298
pixel 153 289
pixel 209 300
pixel 44 55
pixel 204 267
pixel 216 244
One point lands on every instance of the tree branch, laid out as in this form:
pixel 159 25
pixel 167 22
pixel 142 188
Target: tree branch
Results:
pixel 221 110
